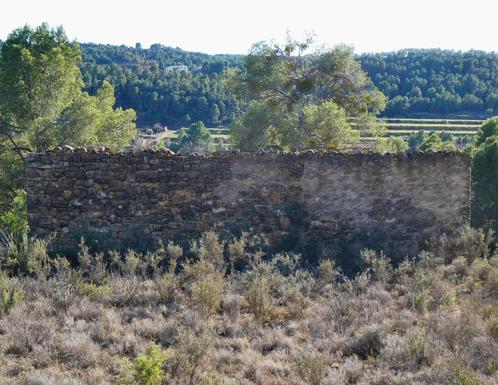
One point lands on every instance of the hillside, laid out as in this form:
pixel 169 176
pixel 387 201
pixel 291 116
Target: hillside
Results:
pixel 433 81
pixel 145 81
pixel 429 82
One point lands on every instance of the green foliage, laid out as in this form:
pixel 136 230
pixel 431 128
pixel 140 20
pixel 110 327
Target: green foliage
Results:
pixel 39 78
pixel 196 138
pixel 144 82
pixel 466 377
pixel 422 297
pixel 113 128
pixel 254 129
pixel 11 176
pixel 485 175
pixel 10 296
pixel 15 220
pixel 488 129
pixel 416 81
pixel 93 120
pixel 437 142
pixel 92 290
pixel 24 255
pixel 300 98
pixel 326 125
pixel 485 183
pixel 415 140
pixel 434 81
pixel 42 105
pixel 391 145
pixel 148 368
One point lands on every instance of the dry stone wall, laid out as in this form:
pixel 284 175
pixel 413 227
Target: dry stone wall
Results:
pixel 313 202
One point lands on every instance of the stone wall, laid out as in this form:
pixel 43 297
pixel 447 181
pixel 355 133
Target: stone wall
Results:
pixel 317 203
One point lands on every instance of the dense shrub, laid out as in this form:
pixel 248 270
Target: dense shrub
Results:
pixel 186 317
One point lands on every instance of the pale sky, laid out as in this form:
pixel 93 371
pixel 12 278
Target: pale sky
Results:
pixel 231 26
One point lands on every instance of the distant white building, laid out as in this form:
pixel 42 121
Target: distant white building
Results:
pixel 180 68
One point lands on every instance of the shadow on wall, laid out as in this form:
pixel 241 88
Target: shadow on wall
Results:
pixel 101 242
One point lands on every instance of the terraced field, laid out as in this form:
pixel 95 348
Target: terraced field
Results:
pixel 406 127
pixel 402 127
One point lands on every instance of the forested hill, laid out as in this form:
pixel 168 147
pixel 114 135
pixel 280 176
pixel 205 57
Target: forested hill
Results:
pixel 148 81
pixel 435 81
pixel 417 82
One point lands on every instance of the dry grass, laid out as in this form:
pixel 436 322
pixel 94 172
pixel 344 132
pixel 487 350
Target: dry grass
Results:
pixel 430 321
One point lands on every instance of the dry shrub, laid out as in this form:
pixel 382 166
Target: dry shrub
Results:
pixel 174 251
pixel 156 329
pixel 167 287
pixel 352 370
pixel 480 271
pixel 469 242
pixel 233 304
pixel 207 291
pixel 214 378
pixel 259 299
pixel 132 264
pixel 40 379
pixel 369 344
pixel 327 274
pixel 456 330
pixel 210 248
pixel 129 345
pixel 434 317
pixel 78 350
pixel 273 371
pixel 481 354
pixel 444 295
pixel 271 340
pixel 237 248
pixel 492 326
pixel 126 291
pixel 396 352
pixel 24 333
pixel 491 284
pixel 419 347
pixel 91 266
pixel 107 329
pixel 84 309
pixel 379 265
pixel 421 291
pixel 147 294
pixel 296 304
pixel 338 315
pixel 310 366
pixel 191 357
